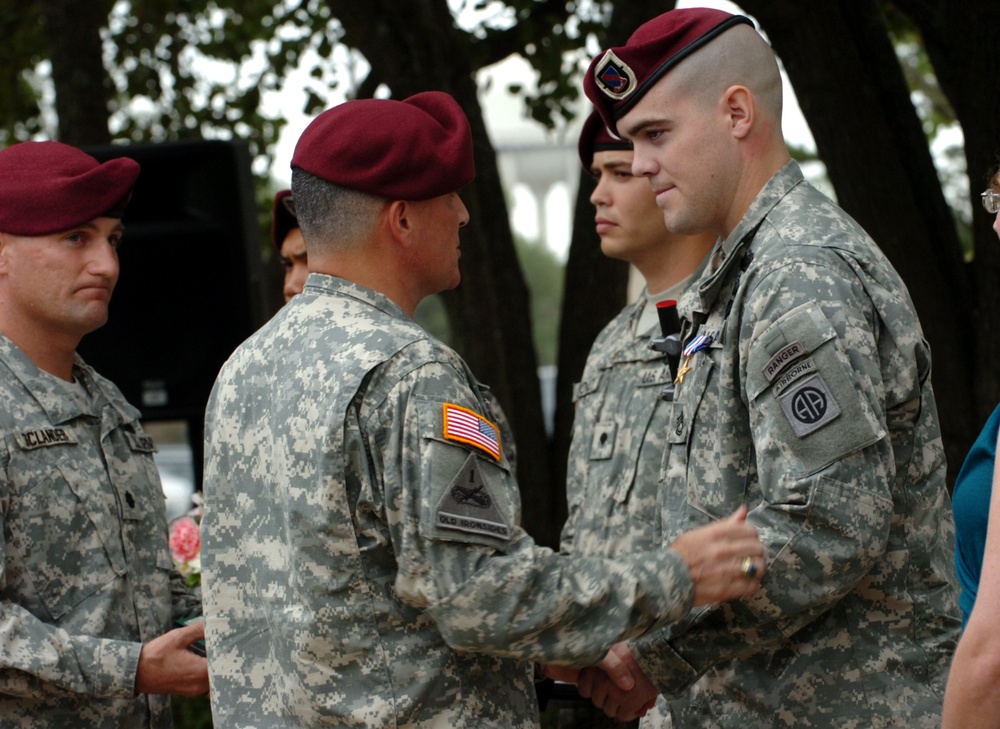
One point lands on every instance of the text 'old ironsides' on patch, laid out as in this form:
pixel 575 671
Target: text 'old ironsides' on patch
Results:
pixel 808 405
pixel 468 506
pixel 465 426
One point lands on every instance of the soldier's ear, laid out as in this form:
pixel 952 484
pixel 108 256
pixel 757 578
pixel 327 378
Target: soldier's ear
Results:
pixel 400 223
pixel 4 240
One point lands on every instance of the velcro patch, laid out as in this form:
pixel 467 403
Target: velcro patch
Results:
pixel 467 505
pixel 465 426
pixel 781 359
pixel 40 437
pixel 809 405
pixel 141 443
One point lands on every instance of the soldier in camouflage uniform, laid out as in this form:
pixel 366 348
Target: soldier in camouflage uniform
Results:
pixel 804 392
pixel 621 416
pixel 363 563
pixel 88 593
pixel 621 419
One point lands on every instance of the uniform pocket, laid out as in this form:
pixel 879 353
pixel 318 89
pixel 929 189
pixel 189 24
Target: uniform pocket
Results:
pixel 64 532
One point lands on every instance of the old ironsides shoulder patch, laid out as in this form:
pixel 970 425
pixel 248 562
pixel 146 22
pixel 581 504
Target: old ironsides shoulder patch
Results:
pixel 808 405
pixel 465 426
pixel 614 77
pixel 468 506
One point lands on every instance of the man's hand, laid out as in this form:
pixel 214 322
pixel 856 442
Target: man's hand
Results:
pixel 166 666
pixel 715 557
pixel 618 686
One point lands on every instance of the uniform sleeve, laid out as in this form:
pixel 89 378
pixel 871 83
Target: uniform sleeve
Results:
pixel 451 505
pixel 37 659
pixel 825 466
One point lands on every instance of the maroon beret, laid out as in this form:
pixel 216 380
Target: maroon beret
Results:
pixel 413 149
pixel 618 78
pixel 283 218
pixel 49 187
pixel 595 137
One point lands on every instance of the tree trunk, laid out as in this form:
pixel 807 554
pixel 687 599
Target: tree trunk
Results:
pixel 415 47
pixel 82 85
pixel 962 40
pixel 852 92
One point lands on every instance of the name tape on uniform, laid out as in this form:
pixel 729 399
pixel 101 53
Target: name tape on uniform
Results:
pixel 40 437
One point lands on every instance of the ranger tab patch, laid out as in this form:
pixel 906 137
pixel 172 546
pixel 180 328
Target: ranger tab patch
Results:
pixel 465 426
pixel 468 506
pixel 808 405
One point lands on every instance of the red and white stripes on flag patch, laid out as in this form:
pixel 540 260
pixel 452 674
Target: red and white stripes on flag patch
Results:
pixel 465 426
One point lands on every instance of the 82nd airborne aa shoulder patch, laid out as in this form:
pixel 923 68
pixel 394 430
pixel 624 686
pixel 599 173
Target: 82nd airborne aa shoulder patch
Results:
pixel 808 405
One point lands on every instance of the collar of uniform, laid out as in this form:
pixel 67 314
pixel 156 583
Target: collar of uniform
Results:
pixel 324 284
pixel 729 252
pixel 57 406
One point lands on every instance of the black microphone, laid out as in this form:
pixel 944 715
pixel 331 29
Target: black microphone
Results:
pixel 670 342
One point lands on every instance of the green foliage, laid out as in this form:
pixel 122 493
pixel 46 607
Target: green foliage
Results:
pixel 543 274
pixel 433 317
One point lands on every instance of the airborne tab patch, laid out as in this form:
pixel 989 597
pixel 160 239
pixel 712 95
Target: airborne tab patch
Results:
pixel 465 426
pixel 808 405
pixel 467 505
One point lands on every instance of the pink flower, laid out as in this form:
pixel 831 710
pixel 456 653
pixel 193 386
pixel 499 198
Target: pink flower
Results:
pixel 185 540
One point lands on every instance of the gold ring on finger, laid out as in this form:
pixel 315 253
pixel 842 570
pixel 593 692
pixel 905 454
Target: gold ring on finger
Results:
pixel 747 567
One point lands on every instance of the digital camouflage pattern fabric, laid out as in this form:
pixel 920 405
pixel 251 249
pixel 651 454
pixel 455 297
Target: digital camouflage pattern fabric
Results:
pixel 619 435
pixel 809 399
pixel 86 575
pixel 363 563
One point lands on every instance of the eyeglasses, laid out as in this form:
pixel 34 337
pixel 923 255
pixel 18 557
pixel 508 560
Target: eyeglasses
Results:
pixel 991 201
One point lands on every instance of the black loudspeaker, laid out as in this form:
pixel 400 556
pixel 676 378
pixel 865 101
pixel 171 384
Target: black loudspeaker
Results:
pixel 192 278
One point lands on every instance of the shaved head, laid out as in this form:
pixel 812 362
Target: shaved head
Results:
pixel 739 57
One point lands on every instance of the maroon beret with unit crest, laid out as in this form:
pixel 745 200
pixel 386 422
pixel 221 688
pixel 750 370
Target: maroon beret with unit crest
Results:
pixel 49 187
pixel 595 137
pixel 283 218
pixel 414 149
pixel 619 77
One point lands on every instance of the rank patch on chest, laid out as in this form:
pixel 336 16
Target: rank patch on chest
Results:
pixel 39 437
pixel 468 506
pixel 808 405
pixel 465 426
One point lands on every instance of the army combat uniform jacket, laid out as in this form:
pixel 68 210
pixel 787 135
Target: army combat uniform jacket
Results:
pixel 86 576
pixel 619 431
pixel 363 563
pixel 806 395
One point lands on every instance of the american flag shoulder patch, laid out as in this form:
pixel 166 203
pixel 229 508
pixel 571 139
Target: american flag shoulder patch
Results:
pixel 465 426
